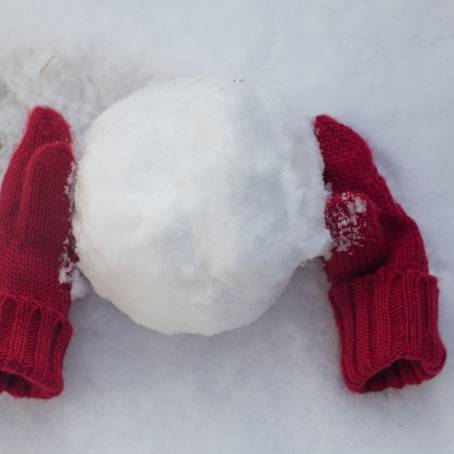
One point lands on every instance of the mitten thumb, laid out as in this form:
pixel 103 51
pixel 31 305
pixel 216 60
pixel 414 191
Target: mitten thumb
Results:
pixel 44 217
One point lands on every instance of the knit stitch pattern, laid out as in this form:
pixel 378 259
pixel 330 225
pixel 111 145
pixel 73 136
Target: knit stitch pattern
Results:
pixel 34 238
pixel 384 299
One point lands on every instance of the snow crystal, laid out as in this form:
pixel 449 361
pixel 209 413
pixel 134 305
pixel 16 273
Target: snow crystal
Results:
pixel 194 204
pixel 349 224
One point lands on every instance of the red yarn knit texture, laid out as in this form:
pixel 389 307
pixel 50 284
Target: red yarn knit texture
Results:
pixel 384 299
pixel 34 232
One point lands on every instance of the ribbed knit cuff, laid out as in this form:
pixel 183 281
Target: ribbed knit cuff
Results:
pixel 388 326
pixel 33 341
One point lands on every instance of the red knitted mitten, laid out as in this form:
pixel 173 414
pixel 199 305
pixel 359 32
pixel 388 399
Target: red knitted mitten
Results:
pixel 34 242
pixel 384 299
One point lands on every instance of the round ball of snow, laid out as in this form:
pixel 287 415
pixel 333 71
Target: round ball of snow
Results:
pixel 195 202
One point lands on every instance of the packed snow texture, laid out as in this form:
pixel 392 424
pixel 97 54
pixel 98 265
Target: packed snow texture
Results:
pixel 274 387
pixel 196 200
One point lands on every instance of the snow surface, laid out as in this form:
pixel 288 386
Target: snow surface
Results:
pixel 387 69
pixel 195 201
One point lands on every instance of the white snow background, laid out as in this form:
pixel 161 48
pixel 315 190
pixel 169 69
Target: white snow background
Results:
pixel 387 69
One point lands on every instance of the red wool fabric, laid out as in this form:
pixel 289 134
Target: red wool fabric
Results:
pixel 34 237
pixel 384 299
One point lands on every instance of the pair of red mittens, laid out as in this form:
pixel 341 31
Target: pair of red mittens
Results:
pixel 384 299
pixel 35 243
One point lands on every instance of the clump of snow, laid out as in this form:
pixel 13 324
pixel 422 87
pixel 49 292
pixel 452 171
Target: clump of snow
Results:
pixel 69 188
pixel 79 286
pixel 348 222
pixel 195 202
pixel 66 267
pixel 70 274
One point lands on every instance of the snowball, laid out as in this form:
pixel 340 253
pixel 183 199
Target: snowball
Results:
pixel 195 202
